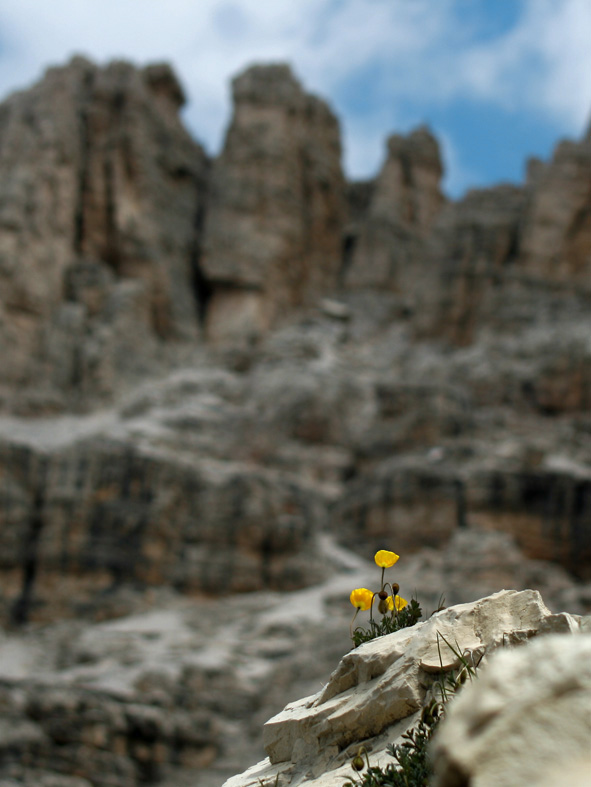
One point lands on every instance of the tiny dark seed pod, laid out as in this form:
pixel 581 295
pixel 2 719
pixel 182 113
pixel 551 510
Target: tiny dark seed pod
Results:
pixel 430 713
pixel 382 595
pixel 395 588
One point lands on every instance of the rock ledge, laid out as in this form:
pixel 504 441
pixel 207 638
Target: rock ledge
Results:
pixel 374 694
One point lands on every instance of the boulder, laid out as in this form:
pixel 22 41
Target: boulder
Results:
pixel 524 721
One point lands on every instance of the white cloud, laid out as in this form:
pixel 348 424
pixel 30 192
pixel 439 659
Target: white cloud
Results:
pixel 564 39
pixel 544 63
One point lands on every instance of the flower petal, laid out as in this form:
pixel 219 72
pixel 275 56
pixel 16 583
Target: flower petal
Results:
pixel 400 603
pixel 385 559
pixel 361 598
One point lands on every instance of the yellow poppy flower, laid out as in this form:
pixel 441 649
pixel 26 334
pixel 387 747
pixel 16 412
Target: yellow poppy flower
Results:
pixel 361 598
pixel 385 559
pixel 400 603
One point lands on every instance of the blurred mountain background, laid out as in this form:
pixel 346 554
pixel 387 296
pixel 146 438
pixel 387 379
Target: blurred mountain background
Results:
pixel 229 377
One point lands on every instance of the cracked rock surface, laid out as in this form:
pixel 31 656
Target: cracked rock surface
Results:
pixel 376 691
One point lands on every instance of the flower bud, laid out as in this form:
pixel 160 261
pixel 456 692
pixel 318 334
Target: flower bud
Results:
pixel 382 595
pixel 357 763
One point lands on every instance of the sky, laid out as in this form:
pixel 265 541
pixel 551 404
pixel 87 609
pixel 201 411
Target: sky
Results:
pixel 497 81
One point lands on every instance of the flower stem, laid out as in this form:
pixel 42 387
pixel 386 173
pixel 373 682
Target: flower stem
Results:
pixel 371 608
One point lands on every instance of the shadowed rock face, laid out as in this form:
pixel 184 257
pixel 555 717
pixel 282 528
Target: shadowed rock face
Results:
pixel 141 187
pixel 416 505
pixel 83 522
pixel 102 190
pixel 273 231
pixel 473 245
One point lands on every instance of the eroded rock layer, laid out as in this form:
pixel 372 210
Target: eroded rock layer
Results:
pixel 83 522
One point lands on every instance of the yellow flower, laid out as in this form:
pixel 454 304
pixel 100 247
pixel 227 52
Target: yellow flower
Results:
pixel 400 603
pixel 361 598
pixel 385 559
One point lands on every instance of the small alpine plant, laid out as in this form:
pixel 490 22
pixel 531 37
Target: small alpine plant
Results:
pixel 396 612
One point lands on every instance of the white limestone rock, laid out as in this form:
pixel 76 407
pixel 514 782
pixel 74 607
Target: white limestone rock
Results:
pixel 377 689
pixel 525 721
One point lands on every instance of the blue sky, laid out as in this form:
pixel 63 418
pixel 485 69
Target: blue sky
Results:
pixel 496 80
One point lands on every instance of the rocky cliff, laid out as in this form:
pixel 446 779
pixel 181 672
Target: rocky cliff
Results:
pixel 119 238
pixel 102 195
pixel 384 244
pixel 445 384
pixel 502 253
pixel 234 374
pixel 273 231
